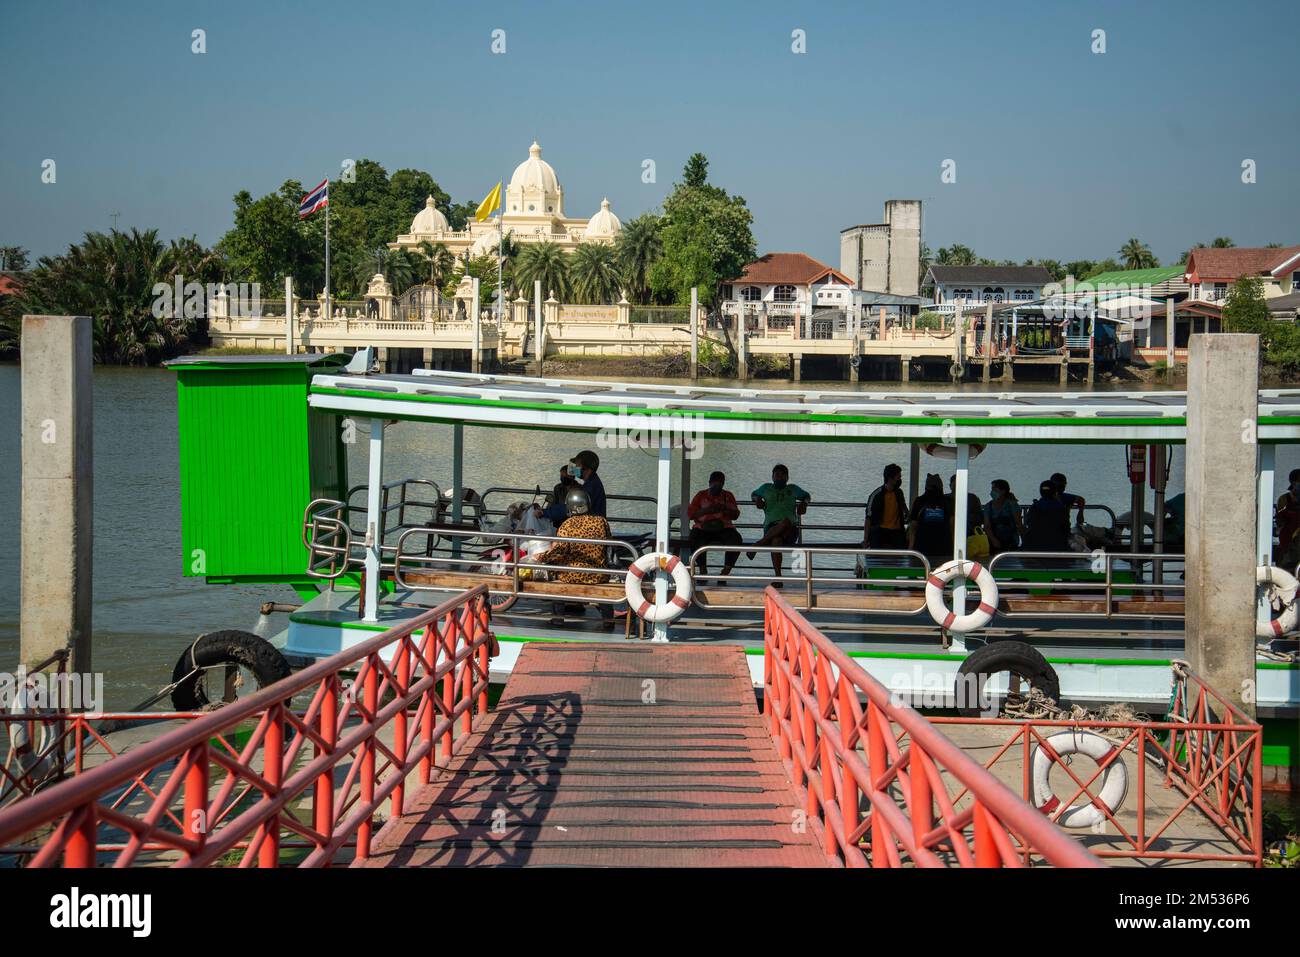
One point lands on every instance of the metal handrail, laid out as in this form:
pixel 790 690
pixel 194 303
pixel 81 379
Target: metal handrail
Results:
pixel 843 737
pixel 1107 586
pixel 327 538
pixel 474 565
pixel 808 579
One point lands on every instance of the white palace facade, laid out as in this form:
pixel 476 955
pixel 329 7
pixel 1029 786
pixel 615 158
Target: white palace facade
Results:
pixel 533 208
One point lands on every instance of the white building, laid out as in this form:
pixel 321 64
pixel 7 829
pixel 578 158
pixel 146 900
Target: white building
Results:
pixel 987 283
pixel 533 211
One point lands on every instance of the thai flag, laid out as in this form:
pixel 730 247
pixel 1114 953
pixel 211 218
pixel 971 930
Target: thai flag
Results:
pixel 318 197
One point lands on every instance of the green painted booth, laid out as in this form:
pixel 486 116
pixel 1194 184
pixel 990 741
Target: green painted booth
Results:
pixel 252 456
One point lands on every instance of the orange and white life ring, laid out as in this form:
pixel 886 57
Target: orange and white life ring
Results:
pixel 945 616
pixel 1280 584
pixel 682 582
pixel 1114 779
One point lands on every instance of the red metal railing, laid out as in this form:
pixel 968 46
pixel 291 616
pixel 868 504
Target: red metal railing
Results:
pixel 841 752
pixel 1210 751
pixel 193 796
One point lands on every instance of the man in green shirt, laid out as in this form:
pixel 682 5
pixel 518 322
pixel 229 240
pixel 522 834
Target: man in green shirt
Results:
pixel 782 504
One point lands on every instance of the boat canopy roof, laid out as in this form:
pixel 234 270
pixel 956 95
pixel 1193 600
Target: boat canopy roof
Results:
pixel 573 405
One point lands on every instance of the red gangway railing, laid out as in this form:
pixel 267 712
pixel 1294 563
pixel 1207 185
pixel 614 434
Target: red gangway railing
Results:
pixel 1211 753
pixel 192 797
pixel 845 741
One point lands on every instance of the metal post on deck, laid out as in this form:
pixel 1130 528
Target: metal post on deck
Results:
pixel 959 525
pixel 374 521
pixel 1264 523
pixel 684 492
pixel 913 473
pixel 457 481
pixel 663 489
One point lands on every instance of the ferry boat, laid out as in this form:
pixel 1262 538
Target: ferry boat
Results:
pixel 264 444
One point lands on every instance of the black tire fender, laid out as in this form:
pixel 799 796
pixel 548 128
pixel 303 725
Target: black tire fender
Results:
pixel 997 656
pixel 218 648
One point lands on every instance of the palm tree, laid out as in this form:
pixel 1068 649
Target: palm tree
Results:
pixel 441 264
pixel 595 272
pixel 636 249
pixel 1137 255
pixel 547 262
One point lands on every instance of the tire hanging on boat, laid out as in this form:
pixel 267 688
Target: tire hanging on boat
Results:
pixel 1114 779
pixel 218 648
pixel 1279 582
pixel 944 616
pixel 675 605
pixel 1015 657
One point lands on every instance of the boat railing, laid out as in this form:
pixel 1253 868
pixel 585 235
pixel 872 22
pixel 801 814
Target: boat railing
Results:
pixel 327 538
pixel 502 567
pixel 828 579
pixel 1109 512
pixel 1140 597
pixel 537 492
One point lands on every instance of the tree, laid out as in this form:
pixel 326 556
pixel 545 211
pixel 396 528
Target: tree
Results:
pixel 594 270
pixel 1245 309
pixel 707 238
pixel 13 259
pixel 441 266
pixel 1137 255
pixel 638 247
pixel 955 255
pixel 547 262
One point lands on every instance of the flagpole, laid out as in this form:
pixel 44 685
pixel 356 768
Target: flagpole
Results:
pixel 328 310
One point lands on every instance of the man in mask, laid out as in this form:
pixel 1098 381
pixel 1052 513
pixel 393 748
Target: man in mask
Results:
pixel 782 504
pixel 582 469
pixel 712 512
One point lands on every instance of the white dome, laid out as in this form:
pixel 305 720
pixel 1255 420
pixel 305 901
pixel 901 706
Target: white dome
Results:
pixel 429 221
pixel 534 188
pixel 604 225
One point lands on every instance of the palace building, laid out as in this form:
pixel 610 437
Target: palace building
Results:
pixel 533 208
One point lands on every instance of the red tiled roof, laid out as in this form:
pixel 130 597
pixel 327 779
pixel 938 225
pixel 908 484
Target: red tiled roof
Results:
pixel 1208 264
pixel 793 268
pixel 9 285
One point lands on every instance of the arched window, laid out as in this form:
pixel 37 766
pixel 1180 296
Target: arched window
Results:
pixel 1024 295
pixel 783 294
pixel 751 294
pixel 994 294
pixel 963 294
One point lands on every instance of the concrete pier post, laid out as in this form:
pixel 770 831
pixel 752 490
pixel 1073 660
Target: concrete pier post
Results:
pixel 906 364
pixel 853 367
pixel 988 342
pixel 383 360
pixel 695 332
pixel 56 524
pixel 289 346
pixel 1222 410
pixel 796 367
pixel 742 357
pixel 427 356
pixel 1171 329
pixel 476 321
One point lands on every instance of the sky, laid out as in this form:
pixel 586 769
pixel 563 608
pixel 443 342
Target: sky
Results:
pixel 1059 152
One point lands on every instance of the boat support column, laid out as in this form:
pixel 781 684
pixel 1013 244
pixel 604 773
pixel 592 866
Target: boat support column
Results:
pixel 959 525
pixel 1264 523
pixel 374 521
pixel 457 480
pixel 662 490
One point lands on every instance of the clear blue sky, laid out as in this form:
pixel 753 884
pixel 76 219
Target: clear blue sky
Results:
pixel 1061 153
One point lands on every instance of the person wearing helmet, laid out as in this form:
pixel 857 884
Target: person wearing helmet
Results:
pixel 582 468
pixel 580 523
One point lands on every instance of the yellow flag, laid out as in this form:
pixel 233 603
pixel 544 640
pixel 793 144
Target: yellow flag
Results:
pixel 489 205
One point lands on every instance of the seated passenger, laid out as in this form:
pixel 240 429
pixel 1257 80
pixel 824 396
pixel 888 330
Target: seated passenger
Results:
pixel 1003 522
pixel 582 469
pixel 580 524
pixel 712 512
pixel 1175 522
pixel 782 504
pixel 930 529
pixel 1068 499
pixel 1047 525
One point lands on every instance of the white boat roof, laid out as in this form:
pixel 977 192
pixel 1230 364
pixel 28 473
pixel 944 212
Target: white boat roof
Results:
pixel 577 405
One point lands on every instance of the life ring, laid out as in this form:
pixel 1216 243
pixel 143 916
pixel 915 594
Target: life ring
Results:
pixel 946 617
pixel 941 451
pixel 957 370
pixel 682 582
pixel 1279 582
pixel 1114 779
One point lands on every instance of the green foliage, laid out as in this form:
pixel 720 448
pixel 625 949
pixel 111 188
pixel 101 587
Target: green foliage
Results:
pixel 638 247
pixel 547 262
pixel 13 259
pixel 1137 255
pixel 929 320
pixel 715 359
pixel 593 268
pixel 707 238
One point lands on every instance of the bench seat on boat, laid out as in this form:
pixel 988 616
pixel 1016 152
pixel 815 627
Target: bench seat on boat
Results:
pixel 528 586
pixel 860 600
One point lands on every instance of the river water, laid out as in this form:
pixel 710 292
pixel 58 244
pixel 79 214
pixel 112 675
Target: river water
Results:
pixel 146 613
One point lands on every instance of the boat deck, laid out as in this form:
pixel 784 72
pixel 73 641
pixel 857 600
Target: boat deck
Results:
pixel 629 756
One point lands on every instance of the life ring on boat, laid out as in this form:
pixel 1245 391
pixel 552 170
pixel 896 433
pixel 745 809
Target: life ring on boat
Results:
pixel 945 616
pixel 956 370
pixel 941 451
pixel 1114 779
pixel 1281 583
pixel 682 582
pixel 218 648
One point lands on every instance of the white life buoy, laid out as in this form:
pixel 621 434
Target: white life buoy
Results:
pixel 945 616
pixel 1114 779
pixel 1279 583
pixel 941 451
pixel 675 605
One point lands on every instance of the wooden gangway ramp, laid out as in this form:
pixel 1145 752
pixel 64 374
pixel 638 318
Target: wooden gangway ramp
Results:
pixel 611 756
